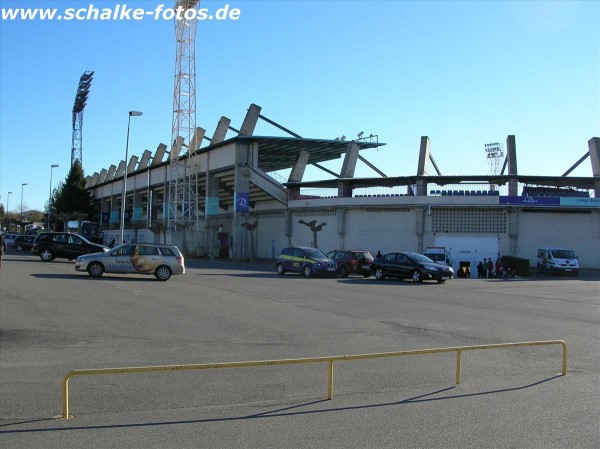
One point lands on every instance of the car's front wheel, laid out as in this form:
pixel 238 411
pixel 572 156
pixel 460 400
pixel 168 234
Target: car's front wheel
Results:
pixel 417 276
pixel 46 255
pixel 280 269
pixel 162 273
pixel 307 272
pixel 343 271
pixel 379 274
pixel 95 269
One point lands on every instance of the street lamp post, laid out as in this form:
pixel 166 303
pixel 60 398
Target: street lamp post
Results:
pixel 131 114
pixel 6 213
pixel 22 185
pixel 50 197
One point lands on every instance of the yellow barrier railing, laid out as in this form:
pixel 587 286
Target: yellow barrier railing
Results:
pixel 329 360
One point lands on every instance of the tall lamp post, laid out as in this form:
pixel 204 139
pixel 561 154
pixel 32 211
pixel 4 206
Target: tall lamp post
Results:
pixel 50 197
pixel 131 114
pixel 6 213
pixel 22 185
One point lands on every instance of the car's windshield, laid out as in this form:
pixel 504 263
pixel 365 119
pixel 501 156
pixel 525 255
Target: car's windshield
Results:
pixel 315 253
pixel 563 254
pixel 437 257
pixel 420 258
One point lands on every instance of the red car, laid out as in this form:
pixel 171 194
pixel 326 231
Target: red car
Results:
pixel 352 261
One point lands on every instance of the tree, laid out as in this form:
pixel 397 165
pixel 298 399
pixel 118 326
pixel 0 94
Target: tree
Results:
pixel 72 201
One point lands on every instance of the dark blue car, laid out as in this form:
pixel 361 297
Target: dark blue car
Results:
pixel 305 260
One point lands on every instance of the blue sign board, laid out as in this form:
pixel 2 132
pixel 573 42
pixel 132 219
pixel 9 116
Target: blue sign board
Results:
pixel 533 201
pixel 580 202
pixel 242 201
pixel 530 200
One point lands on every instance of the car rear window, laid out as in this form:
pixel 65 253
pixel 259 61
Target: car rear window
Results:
pixel 167 252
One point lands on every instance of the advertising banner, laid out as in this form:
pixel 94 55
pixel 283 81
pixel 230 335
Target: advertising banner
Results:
pixel 212 205
pixel 242 200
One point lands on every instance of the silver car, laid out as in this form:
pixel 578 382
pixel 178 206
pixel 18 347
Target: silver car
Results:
pixel 138 258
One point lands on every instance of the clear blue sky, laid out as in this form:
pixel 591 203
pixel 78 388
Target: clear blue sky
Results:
pixel 463 73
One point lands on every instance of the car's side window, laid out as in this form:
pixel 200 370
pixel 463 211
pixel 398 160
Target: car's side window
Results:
pixel 390 258
pixel 74 240
pixel 125 251
pixel 61 238
pixel 148 251
pixel 298 252
pixel 167 252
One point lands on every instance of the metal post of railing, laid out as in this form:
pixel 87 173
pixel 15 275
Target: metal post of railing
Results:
pixel 330 379
pixel 458 364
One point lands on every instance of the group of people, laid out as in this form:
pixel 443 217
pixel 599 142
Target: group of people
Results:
pixel 489 270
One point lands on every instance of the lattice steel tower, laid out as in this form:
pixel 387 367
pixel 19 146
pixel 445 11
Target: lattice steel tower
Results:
pixel 182 196
pixel 85 82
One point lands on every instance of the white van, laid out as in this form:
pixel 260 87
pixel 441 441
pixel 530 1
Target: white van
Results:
pixel 558 260
pixel 439 254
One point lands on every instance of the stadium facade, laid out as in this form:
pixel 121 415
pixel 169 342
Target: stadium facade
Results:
pixel 241 210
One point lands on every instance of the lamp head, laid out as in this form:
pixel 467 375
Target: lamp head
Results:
pixel 135 113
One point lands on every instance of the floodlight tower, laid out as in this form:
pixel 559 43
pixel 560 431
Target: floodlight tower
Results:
pixel 495 156
pixel 85 82
pixel 182 197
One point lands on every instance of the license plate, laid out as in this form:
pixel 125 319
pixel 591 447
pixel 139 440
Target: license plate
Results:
pixel 330 269
pixel 445 278
pixel 366 267
pixel 567 269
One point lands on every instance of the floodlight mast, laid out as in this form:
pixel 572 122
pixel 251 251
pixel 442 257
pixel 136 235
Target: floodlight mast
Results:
pixel 495 157
pixel 85 82
pixel 181 206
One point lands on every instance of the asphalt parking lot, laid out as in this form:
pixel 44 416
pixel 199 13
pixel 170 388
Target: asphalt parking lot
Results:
pixel 54 320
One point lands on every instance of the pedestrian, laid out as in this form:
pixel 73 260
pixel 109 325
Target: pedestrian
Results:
pixel 111 244
pixel 490 268
pixel 484 275
pixel 498 268
pixel 480 270
pixel 378 254
pixel 3 248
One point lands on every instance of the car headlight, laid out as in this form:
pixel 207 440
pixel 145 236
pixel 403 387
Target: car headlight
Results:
pixel 81 258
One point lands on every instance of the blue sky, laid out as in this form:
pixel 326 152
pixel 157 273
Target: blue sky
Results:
pixel 463 73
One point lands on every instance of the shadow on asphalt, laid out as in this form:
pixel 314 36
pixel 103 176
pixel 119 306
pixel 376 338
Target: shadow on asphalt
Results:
pixel 280 412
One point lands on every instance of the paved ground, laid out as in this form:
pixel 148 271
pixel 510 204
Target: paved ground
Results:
pixel 53 320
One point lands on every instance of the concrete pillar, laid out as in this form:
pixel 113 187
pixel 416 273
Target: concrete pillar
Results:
pixel 221 131
pixel 244 158
pixel 423 167
pixel 144 160
pixel 159 154
pixel 250 121
pixel 594 149
pixel 132 164
pixel 350 158
pixel 511 156
pixel 111 172
pixel 197 139
pixel 297 172
pixel 211 216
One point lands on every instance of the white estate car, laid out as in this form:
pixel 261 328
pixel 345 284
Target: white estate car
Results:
pixel 138 258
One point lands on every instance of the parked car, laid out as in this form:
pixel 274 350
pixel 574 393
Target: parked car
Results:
pixel 305 260
pixel 352 261
pixel 50 245
pixel 10 238
pixel 23 243
pixel 411 266
pixel 134 258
